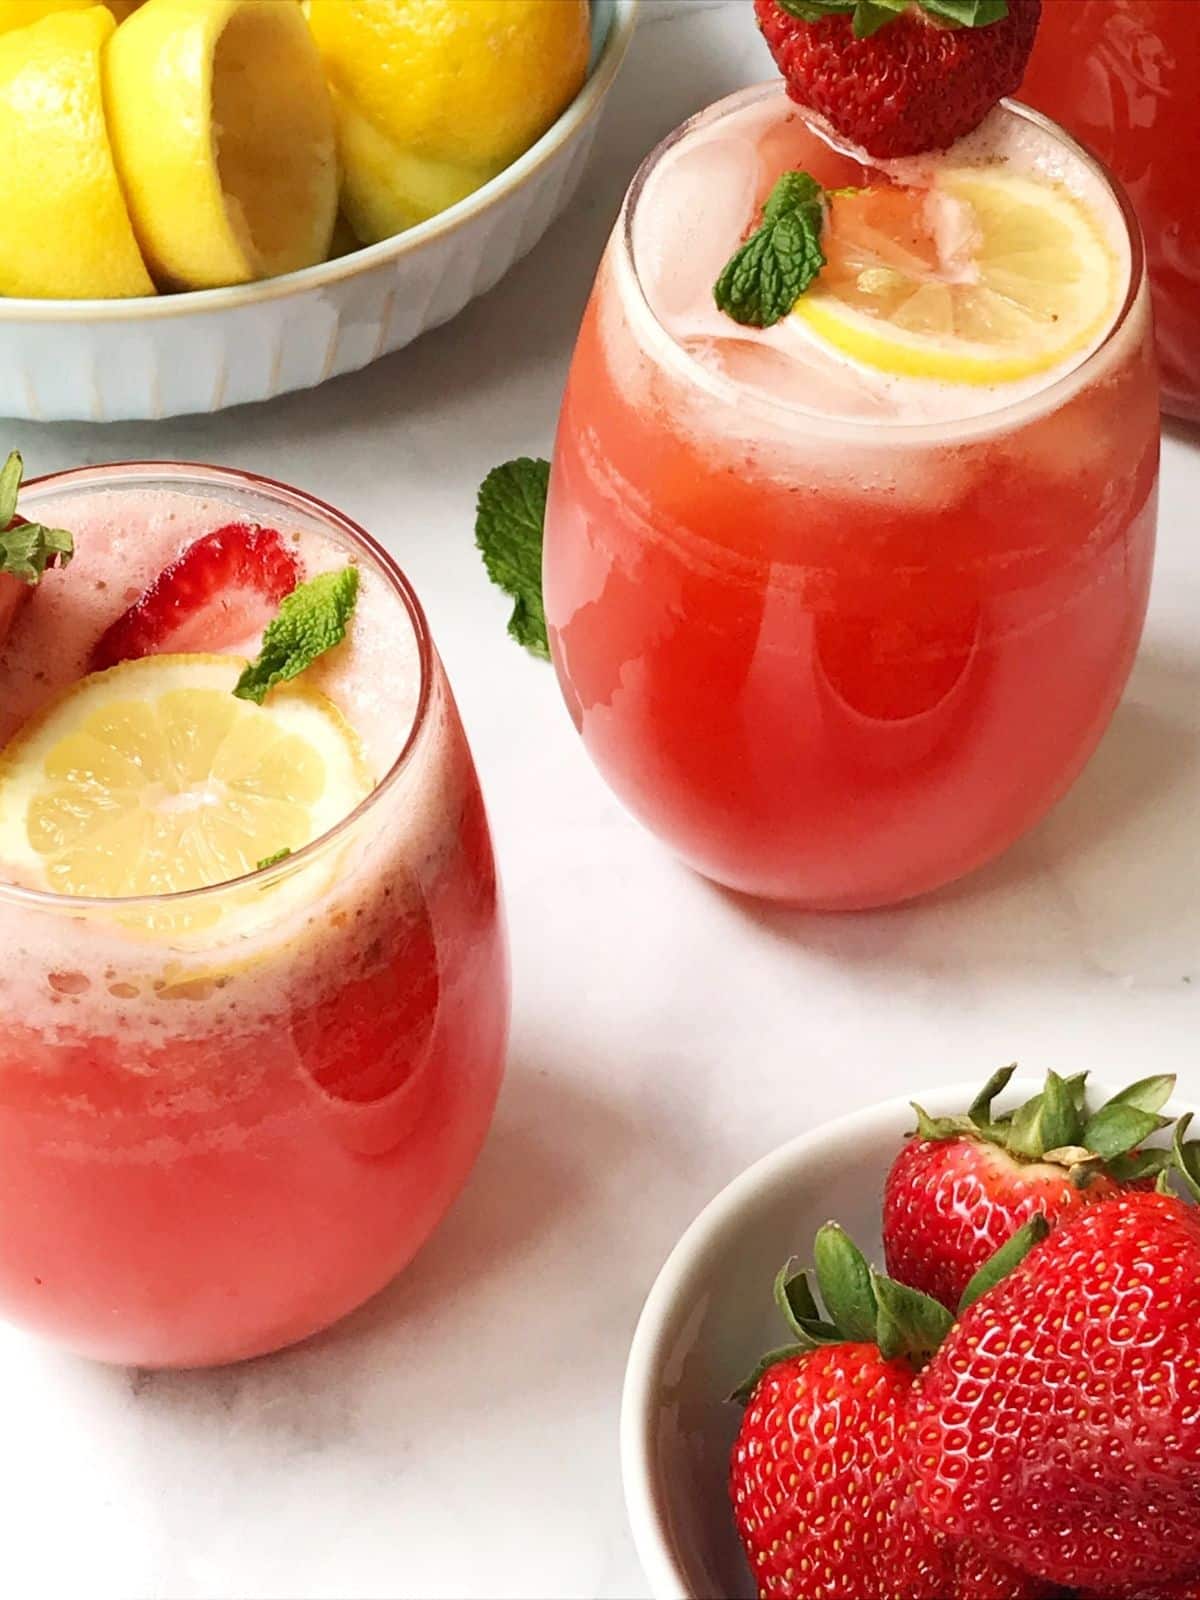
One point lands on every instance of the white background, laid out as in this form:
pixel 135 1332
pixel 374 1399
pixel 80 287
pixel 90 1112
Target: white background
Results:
pixel 458 1437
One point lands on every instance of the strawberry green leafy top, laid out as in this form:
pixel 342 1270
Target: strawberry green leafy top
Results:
pixel 27 548
pixel 871 15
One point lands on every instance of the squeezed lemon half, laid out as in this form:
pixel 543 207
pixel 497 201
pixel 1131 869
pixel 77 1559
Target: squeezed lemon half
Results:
pixel 986 277
pixel 66 232
pixel 435 97
pixel 152 778
pixel 222 127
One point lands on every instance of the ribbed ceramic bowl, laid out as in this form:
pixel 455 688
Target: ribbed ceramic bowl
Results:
pixel 113 360
pixel 710 1316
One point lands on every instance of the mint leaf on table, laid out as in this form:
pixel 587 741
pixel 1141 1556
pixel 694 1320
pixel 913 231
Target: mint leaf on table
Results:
pixel 871 15
pixel 509 515
pixel 310 621
pixel 765 277
pixel 27 548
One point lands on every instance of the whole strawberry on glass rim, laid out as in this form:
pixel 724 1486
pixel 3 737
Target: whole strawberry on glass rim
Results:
pixel 899 77
pixel 821 1480
pixel 962 1185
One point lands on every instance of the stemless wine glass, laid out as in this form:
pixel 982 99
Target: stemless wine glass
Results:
pixel 229 1116
pixel 1124 76
pixel 838 663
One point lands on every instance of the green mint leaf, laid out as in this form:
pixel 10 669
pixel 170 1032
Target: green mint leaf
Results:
pixel 509 514
pixel 10 484
pixel 765 276
pixel 273 861
pixel 310 621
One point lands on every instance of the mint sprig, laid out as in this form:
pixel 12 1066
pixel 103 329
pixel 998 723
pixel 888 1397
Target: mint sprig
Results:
pixel 868 16
pixel 310 621
pixel 27 548
pixel 765 277
pixel 509 516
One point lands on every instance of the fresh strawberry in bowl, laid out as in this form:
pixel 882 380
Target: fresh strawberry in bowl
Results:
pixel 962 1184
pixel 1058 1425
pixel 822 1483
pixel 725 1501
pixel 220 592
pixel 899 77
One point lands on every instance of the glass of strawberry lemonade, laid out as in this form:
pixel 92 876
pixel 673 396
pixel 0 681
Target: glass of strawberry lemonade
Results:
pixel 842 603
pixel 254 999
pixel 1124 75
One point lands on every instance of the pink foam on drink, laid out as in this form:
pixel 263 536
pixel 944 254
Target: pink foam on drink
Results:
pixel 705 195
pixel 123 540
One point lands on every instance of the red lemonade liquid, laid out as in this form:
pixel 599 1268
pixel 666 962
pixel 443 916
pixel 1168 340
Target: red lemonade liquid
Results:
pixel 225 1122
pixel 838 636
pixel 1124 77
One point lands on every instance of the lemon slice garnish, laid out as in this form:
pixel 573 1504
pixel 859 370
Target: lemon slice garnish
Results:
pixel 222 127
pixel 152 778
pixel 986 277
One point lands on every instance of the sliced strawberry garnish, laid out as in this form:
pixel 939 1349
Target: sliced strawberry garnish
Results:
pixel 223 590
pixel 904 85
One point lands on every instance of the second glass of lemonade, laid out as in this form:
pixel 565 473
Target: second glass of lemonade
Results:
pixel 229 1114
pixel 841 625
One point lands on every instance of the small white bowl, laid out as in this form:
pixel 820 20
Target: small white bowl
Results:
pixel 711 1315
pixel 121 360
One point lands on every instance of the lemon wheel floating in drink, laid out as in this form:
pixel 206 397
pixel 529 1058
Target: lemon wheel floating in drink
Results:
pixel 986 276
pixel 152 778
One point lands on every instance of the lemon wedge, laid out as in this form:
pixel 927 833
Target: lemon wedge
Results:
pixel 434 97
pixel 986 277
pixel 152 778
pixel 66 233
pixel 222 127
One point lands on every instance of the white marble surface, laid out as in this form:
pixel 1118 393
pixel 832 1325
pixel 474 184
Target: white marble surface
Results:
pixel 458 1437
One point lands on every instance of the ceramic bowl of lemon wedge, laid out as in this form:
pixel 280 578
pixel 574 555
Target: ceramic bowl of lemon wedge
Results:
pixel 169 332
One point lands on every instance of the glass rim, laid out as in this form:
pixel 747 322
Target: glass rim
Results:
pixel 201 474
pixel 875 429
